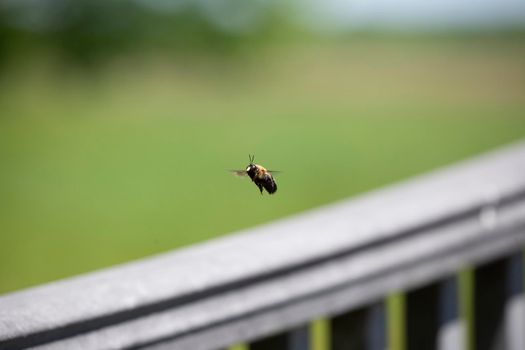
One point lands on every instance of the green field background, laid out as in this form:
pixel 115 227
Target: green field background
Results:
pixel 106 166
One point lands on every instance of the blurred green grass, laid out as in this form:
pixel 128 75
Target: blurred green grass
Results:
pixel 103 167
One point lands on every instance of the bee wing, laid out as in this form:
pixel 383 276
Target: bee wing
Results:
pixel 238 172
pixel 274 172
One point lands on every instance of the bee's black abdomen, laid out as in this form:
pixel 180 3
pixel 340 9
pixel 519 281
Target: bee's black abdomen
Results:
pixel 269 184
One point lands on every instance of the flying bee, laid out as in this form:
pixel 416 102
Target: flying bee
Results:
pixel 260 176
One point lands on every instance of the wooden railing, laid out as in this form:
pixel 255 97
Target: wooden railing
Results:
pixel 264 287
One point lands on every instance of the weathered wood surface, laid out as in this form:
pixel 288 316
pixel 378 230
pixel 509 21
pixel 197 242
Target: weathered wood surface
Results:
pixel 278 276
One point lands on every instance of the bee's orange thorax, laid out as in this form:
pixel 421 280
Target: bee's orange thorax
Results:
pixel 262 170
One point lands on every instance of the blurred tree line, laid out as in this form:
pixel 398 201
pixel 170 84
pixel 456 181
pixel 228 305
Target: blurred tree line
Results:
pixel 89 30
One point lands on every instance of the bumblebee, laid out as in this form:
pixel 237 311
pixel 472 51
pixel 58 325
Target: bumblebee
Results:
pixel 262 177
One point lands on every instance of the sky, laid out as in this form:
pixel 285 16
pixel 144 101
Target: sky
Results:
pixel 416 14
pixel 245 16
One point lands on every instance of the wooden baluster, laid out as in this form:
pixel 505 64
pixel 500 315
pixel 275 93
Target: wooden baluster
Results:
pixel 361 329
pixel 295 339
pixel 452 332
pixel 514 313
pixel 499 305
pixel 433 319
pixel 422 317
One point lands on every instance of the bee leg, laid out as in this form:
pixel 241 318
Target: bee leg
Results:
pixel 260 188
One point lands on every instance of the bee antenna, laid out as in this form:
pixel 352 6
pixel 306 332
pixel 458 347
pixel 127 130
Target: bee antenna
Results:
pixel 251 157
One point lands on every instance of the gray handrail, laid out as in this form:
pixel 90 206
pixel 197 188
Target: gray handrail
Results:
pixel 280 275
